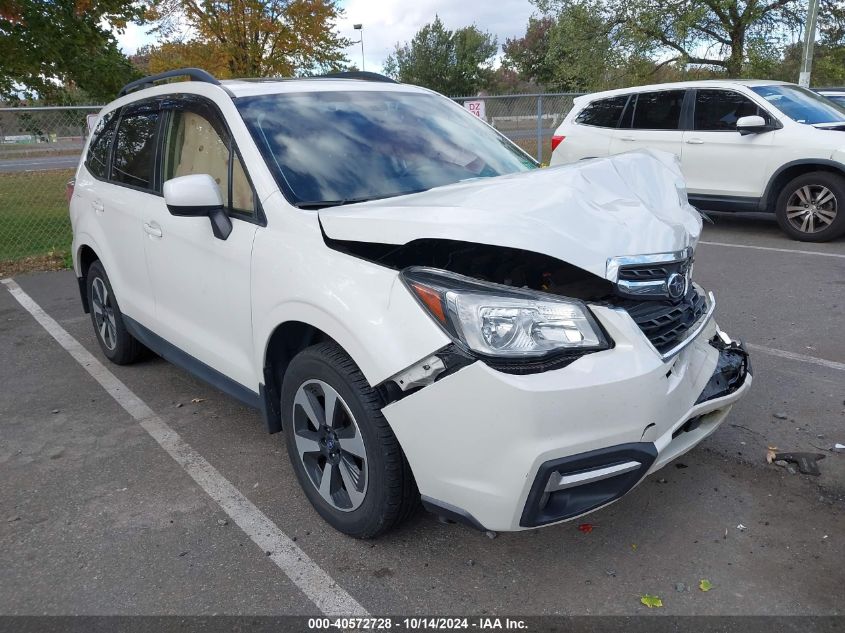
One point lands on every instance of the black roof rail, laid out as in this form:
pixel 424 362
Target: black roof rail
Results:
pixel 196 74
pixel 363 75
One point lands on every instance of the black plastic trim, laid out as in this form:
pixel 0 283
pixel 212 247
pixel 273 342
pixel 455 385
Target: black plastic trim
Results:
pixel 450 512
pixel 196 74
pixel 572 502
pixel 271 402
pixel 732 370
pixel 739 204
pixel 178 357
pixel 362 75
pixel 83 294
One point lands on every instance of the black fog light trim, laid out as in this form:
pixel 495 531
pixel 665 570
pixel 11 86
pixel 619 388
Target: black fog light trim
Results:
pixel 733 367
pixel 566 487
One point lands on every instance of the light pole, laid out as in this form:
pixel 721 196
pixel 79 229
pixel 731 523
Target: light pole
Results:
pixel 360 27
pixel 809 42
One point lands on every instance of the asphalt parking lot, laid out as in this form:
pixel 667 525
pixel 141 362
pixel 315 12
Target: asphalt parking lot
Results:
pixel 98 518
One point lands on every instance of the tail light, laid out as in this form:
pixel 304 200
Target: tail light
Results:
pixel 69 189
pixel 557 140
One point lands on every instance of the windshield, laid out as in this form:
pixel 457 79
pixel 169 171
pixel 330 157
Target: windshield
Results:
pixel 802 105
pixel 330 148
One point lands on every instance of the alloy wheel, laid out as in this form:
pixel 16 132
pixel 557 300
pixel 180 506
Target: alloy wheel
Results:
pixel 330 445
pixel 811 208
pixel 101 304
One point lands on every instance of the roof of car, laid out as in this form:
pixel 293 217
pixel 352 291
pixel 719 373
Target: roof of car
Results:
pixel 252 87
pixel 704 83
pixel 346 81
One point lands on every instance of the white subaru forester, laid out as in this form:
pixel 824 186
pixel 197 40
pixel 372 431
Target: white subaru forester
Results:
pixel 427 314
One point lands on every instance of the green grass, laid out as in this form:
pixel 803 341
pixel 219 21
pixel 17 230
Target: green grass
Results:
pixel 34 214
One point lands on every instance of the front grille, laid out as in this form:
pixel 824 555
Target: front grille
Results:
pixel 644 273
pixel 663 322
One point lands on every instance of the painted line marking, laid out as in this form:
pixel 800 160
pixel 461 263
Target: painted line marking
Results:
pixel 311 579
pixel 771 248
pixel 803 358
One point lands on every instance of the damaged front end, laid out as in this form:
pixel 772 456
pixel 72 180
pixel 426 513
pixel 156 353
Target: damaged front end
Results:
pixel 732 368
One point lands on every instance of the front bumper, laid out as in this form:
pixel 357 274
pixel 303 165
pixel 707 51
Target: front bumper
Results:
pixel 483 445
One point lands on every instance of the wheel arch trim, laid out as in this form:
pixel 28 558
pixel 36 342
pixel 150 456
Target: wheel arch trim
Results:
pixel 770 194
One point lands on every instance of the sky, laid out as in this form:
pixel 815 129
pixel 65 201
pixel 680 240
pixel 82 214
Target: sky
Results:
pixel 387 22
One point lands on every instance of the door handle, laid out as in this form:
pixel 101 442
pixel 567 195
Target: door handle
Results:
pixel 694 141
pixel 152 229
pixel 627 138
pixel 97 206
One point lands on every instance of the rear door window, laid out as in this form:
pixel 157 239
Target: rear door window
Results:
pixel 719 110
pixel 133 155
pixel 657 110
pixel 603 113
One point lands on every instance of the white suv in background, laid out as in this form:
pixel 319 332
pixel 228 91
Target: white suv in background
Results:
pixel 743 145
pixel 427 314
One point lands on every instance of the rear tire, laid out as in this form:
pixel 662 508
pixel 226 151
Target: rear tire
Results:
pixel 118 345
pixel 811 207
pixel 370 488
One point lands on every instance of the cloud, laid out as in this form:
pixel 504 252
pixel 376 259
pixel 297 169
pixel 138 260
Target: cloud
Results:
pixel 132 38
pixel 387 22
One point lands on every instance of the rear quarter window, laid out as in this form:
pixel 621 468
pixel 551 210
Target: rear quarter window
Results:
pixel 603 112
pixel 97 159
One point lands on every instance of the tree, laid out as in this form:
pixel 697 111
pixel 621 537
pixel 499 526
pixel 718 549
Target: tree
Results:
pixel 251 38
pixel 704 32
pixel 451 62
pixel 51 48
pixel 528 54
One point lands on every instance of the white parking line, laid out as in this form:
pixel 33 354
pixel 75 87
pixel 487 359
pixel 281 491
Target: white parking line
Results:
pixel 311 579
pixel 803 358
pixel 771 248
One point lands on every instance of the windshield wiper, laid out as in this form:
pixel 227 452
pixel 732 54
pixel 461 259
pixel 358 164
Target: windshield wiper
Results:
pixel 322 204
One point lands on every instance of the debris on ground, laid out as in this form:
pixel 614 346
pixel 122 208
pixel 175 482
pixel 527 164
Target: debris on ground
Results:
pixel 780 416
pixel 197 400
pixel 222 522
pixel 679 586
pixel 806 462
pixel 705 585
pixel 179 405
pixel 741 527
pixel 586 528
pixel 771 451
pixel 12 519
pixel 651 601
pixel 491 534
pixel 781 462
pixel 54 411
pixel 839 447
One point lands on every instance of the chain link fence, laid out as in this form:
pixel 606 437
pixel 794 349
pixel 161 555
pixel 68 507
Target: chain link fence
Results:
pixel 40 148
pixel 528 120
pixel 39 151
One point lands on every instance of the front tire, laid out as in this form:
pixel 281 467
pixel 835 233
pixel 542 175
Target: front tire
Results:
pixel 118 345
pixel 345 456
pixel 811 207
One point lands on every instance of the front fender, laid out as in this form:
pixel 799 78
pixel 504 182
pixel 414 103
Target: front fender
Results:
pixel 364 307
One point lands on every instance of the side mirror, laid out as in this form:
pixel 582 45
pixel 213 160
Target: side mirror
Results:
pixel 751 125
pixel 198 195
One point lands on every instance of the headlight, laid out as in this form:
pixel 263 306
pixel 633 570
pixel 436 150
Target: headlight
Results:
pixel 501 321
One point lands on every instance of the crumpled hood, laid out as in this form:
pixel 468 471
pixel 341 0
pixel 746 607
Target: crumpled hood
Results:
pixel 583 214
